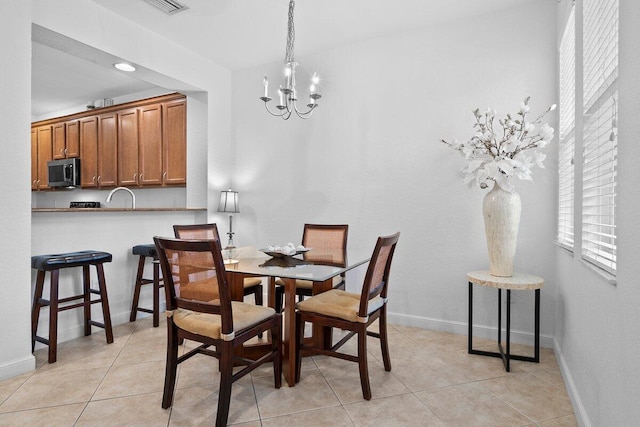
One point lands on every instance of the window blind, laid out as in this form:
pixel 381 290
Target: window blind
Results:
pixel 567 112
pixel 600 74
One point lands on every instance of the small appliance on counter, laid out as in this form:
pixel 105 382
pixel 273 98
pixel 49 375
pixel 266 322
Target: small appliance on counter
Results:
pixel 84 205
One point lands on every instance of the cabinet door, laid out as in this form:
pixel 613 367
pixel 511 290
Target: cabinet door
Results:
pixel 34 159
pixel 128 147
pixel 150 144
pixel 89 152
pixel 174 142
pixel 108 150
pixel 59 141
pixel 45 149
pixel 72 139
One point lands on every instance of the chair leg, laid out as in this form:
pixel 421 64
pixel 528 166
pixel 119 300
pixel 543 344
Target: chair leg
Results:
pixel 106 314
pixel 226 374
pixel 299 340
pixel 136 290
pixel 35 311
pixel 156 293
pixel 259 299
pixel 276 341
pixel 279 297
pixel 384 343
pixel 53 317
pixel 172 364
pixel 362 362
pixel 86 290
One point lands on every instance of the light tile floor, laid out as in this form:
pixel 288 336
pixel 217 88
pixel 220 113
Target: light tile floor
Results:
pixel 433 382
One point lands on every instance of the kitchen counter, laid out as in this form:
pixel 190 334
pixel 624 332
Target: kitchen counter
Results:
pixel 34 210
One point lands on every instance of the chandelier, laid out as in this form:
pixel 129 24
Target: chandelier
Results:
pixel 288 96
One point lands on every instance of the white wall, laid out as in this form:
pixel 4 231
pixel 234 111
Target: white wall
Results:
pixel 597 323
pixel 15 226
pixel 371 157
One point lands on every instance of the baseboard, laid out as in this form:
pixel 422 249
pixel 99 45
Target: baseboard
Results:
pixel 17 367
pixel 479 331
pixel 578 408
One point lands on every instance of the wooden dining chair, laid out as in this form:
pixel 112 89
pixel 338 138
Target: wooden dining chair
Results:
pixel 329 245
pixel 219 323
pixel 252 285
pixel 352 312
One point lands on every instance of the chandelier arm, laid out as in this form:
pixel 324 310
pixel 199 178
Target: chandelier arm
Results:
pixel 272 113
pixel 303 115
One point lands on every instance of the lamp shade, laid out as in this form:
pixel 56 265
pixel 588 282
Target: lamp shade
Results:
pixel 229 202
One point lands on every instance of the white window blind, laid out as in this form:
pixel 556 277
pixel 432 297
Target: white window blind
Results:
pixel 567 112
pixel 600 72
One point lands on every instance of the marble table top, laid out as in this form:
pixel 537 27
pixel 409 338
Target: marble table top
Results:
pixel 519 281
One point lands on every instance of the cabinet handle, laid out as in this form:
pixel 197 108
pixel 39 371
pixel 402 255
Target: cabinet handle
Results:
pixel 164 176
pixel 93 179
pixel 65 151
pixel 99 179
pixel 141 179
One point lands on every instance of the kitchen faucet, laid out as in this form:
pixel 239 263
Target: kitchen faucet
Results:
pixel 133 196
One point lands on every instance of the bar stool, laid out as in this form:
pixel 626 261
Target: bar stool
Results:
pixel 53 263
pixel 147 251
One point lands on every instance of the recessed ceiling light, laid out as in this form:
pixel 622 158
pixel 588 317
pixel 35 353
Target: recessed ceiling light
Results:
pixel 124 66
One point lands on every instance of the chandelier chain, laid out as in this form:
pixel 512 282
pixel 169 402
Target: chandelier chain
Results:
pixel 291 35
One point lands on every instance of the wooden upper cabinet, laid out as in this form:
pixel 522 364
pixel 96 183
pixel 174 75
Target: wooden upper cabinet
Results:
pixel 72 129
pixel 174 141
pixel 150 145
pixel 89 152
pixel 41 144
pixel 140 143
pixel 108 150
pixel 128 147
pixel 59 141
pixel 66 142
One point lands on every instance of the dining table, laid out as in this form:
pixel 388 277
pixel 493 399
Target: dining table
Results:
pixel 320 268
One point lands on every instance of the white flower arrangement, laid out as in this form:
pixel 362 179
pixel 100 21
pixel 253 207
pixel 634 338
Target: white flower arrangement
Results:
pixel 497 155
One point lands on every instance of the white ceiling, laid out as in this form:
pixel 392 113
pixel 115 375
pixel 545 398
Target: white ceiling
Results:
pixel 239 34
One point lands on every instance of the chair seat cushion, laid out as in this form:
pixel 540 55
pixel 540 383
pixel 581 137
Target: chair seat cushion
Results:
pixel 308 284
pixel 338 303
pixel 209 325
pixel 69 259
pixel 250 282
pixel 146 250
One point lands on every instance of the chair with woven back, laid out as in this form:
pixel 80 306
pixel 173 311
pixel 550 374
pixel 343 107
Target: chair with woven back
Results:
pixel 199 308
pixel 352 312
pixel 329 245
pixel 252 285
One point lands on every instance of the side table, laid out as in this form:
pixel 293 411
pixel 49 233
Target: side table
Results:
pixel 517 282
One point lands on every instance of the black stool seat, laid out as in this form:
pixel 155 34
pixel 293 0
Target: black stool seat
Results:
pixel 69 259
pixel 53 263
pixel 145 250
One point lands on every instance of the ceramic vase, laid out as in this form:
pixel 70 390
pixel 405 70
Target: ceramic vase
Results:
pixel 501 210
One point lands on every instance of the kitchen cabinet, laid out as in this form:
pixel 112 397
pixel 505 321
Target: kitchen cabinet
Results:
pixel 128 147
pixel 150 148
pixel 108 150
pixel 41 153
pixel 89 152
pixel 66 140
pixel 174 142
pixel 137 144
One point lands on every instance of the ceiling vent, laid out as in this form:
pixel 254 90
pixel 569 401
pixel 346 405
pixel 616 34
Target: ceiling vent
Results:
pixel 167 6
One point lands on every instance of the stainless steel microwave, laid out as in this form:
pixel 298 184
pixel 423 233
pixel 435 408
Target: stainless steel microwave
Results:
pixel 64 173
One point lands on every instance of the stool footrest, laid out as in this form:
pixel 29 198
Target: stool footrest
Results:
pixel 145 310
pixel 42 340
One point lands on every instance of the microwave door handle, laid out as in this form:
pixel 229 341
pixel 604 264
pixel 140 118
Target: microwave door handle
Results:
pixel 68 172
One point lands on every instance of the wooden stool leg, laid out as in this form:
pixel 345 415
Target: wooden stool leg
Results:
pixel 35 310
pixel 53 316
pixel 86 293
pixel 105 303
pixel 136 290
pixel 156 293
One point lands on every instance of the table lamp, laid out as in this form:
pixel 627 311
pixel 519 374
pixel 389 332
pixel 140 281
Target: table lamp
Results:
pixel 229 204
